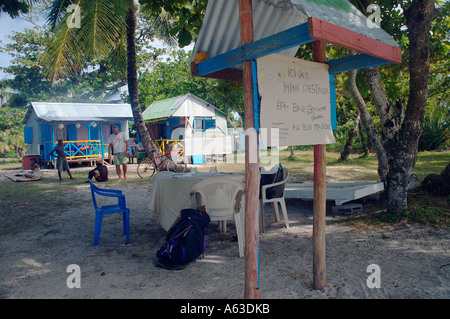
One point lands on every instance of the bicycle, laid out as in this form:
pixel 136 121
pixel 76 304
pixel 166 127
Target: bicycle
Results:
pixel 147 167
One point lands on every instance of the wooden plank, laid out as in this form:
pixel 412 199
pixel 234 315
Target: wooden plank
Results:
pixel 331 33
pixel 295 36
pixel 20 178
pixel 252 167
pixel 354 62
pixel 338 192
pixel 333 116
pixel 233 75
pixel 374 52
pixel 320 198
pixel 256 97
pixel 283 40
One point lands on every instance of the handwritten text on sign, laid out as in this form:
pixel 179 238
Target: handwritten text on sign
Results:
pixel 295 99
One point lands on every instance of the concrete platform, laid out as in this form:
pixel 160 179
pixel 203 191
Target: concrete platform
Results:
pixel 339 192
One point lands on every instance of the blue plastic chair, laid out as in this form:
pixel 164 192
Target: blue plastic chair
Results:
pixel 121 207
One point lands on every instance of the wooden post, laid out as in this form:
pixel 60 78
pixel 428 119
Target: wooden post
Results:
pixel 320 197
pixel 251 165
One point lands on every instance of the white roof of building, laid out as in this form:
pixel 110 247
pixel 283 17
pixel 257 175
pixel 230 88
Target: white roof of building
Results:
pixel 68 112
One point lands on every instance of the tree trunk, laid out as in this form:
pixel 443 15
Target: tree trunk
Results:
pixel 144 135
pixel 351 137
pixel 150 148
pixel 391 116
pixel 402 148
pixel 365 144
pixel 367 121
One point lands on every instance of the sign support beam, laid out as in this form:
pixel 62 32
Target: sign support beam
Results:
pixel 319 197
pixel 252 175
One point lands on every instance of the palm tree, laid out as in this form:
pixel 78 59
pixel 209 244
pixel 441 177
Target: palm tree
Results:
pixel 103 27
pixel 12 140
pixel 133 83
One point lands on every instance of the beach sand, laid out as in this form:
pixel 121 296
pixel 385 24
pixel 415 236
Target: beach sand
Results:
pixel 413 260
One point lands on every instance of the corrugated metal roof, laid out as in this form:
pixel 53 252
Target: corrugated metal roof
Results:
pixel 344 14
pixel 67 112
pixel 163 108
pixel 166 108
pixel 220 30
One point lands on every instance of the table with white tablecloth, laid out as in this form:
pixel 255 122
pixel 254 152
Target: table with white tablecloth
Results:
pixel 170 193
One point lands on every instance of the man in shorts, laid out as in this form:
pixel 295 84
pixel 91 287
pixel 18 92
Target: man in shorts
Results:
pixel 118 147
pixel 61 162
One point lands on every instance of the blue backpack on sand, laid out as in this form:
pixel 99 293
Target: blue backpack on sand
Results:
pixel 185 240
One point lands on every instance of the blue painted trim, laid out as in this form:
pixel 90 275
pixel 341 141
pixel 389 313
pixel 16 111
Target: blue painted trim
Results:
pixel 203 124
pixel 333 117
pixel 283 40
pixel 28 134
pixel 295 36
pixel 101 139
pixel 354 62
pixel 256 98
pixel 53 140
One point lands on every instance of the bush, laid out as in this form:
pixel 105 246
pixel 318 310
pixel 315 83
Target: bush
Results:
pixel 436 130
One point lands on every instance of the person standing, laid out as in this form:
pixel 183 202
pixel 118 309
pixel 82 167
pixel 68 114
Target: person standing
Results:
pixel 61 162
pixel 118 149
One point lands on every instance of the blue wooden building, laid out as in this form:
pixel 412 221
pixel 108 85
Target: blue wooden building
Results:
pixel 84 128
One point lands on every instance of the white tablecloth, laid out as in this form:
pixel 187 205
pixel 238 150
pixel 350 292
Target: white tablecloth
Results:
pixel 170 193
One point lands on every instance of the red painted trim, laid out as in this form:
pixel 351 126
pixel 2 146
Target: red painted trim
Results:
pixel 331 33
pixel 233 75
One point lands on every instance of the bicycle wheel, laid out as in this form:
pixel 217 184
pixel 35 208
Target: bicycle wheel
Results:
pixel 146 168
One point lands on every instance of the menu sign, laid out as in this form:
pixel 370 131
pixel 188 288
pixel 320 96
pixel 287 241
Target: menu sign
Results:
pixel 295 101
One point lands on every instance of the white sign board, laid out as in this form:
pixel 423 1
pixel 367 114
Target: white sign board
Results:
pixel 295 99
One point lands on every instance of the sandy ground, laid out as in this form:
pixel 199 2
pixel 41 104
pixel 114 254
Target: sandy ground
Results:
pixel 414 261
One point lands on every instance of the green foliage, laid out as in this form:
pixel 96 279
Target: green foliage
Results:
pixel 395 77
pixel 10 118
pixel 11 130
pixel 436 134
pixel 12 141
pixel 71 49
pixel 171 77
pixel 15 7
pixel 292 159
pixel 424 209
pixel 187 16
pixel 27 77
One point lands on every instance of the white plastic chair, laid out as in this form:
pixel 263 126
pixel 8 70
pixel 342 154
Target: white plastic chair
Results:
pixel 274 201
pixel 222 199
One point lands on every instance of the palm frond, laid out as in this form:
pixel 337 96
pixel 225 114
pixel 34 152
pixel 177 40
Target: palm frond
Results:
pixel 118 57
pixel 99 33
pixel 162 25
pixel 155 26
pixel 62 56
pixel 101 27
pixel 57 11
